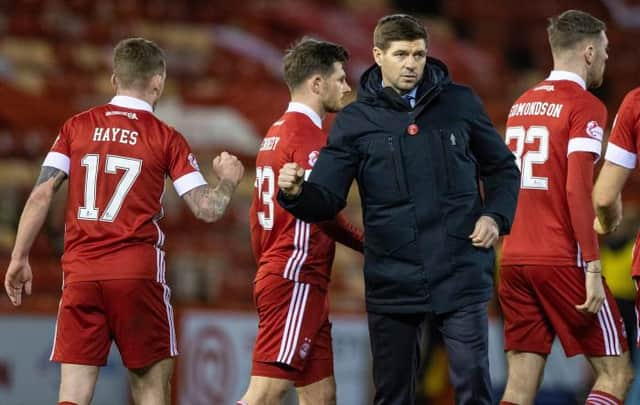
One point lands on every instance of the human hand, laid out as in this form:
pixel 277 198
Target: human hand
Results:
pixel 227 167
pixel 602 230
pixel 594 288
pixel 18 277
pixel 486 232
pixel 290 179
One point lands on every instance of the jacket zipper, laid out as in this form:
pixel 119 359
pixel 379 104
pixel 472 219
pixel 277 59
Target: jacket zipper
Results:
pixel 396 169
pixel 447 158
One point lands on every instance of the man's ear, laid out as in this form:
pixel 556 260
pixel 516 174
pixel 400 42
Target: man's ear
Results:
pixel 114 82
pixel 377 55
pixel 315 84
pixel 589 54
pixel 156 84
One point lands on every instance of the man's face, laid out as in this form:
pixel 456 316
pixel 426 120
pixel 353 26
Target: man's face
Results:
pixel 402 63
pixel 334 87
pixel 595 72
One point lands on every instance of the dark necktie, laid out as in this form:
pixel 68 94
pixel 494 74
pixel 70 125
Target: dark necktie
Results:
pixel 410 99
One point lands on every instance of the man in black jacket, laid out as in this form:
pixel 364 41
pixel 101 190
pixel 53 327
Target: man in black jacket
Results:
pixel 417 144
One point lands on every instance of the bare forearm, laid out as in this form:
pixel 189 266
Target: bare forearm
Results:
pixel 36 209
pixel 607 194
pixel 31 220
pixel 609 215
pixel 209 203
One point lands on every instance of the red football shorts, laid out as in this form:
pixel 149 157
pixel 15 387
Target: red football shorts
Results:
pixel 538 303
pixel 294 332
pixel 136 314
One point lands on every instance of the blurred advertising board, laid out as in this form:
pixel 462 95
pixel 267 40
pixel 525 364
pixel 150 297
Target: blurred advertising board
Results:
pixel 216 348
pixel 27 377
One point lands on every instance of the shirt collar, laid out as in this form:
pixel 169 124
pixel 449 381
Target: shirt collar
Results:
pixel 412 93
pixel 131 102
pixel 565 75
pixel 306 110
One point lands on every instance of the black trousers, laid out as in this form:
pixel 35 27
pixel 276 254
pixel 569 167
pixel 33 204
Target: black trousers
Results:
pixel 395 346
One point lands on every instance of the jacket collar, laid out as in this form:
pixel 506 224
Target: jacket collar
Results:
pixel 435 78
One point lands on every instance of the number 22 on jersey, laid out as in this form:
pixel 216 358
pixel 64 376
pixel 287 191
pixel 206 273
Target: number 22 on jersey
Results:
pixel 113 163
pixel 526 160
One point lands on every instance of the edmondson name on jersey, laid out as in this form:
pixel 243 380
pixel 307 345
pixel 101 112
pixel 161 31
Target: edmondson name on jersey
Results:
pixel 536 108
pixel 121 135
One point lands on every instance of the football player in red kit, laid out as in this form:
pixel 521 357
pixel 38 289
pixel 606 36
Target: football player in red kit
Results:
pixel 116 158
pixel 294 258
pixel 551 283
pixel 620 160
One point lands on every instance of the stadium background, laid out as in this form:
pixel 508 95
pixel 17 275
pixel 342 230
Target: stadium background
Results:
pixel 223 91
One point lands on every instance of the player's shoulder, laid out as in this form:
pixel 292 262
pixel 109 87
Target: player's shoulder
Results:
pixel 86 116
pixel 632 98
pixel 634 93
pixel 295 128
pixel 298 122
pixel 629 110
pixel 588 99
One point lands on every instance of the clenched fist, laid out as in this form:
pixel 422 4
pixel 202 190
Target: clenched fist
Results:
pixel 290 179
pixel 227 167
pixel 486 232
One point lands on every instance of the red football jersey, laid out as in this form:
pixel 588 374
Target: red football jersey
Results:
pixel 283 244
pixel 117 157
pixel 623 147
pixel 553 223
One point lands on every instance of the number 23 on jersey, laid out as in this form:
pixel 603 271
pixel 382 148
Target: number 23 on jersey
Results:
pixel 265 182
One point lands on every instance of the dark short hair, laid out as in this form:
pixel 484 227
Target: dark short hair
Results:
pixel 572 27
pixel 308 57
pixel 136 61
pixel 398 27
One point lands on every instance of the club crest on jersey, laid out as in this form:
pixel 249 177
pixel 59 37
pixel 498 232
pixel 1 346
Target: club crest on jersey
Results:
pixel 594 130
pixel 193 162
pixel 305 347
pixel 313 157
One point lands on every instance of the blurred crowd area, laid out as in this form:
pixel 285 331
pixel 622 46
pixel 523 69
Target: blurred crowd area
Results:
pixel 224 89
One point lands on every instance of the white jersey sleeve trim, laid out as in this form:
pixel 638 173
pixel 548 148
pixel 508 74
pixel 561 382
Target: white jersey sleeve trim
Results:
pixel 621 156
pixel 58 160
pixel 585 145
pixel 188 182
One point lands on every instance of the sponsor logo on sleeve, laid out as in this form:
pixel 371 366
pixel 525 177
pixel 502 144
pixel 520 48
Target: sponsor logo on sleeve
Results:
pixel 313 157
pixel 193 162
pixel 594 130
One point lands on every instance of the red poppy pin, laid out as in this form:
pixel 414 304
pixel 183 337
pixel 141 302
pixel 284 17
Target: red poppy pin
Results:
pixel 413 129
